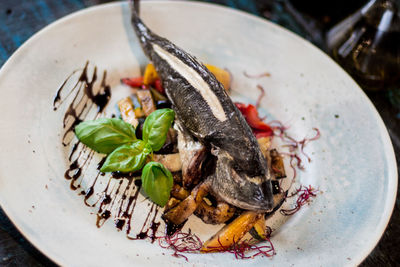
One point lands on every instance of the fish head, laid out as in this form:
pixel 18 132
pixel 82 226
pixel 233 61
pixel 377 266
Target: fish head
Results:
pixel 236 187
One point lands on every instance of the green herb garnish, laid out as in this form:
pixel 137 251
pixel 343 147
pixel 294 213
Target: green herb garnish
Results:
pixel 127 158
pixel 104 135
pixel 126 153
pixel 157 182
pixel 156 127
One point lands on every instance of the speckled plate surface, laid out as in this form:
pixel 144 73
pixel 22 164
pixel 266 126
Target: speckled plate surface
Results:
pixel 353 163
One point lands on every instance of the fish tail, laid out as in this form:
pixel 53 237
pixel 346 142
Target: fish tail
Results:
pixel 144 34
pixel 136 6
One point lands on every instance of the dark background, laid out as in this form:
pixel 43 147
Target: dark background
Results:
pixel 19 20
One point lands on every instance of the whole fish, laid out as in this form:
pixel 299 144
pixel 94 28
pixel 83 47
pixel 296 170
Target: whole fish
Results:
pixel 242 177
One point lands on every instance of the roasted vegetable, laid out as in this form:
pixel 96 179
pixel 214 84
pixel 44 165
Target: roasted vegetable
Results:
pixel 150 74
pixel 277 164
pixel 139 112
pixel 158 86
pixel 172 203
pixel 157 96
pixel 184 209
pixel 214 215
pixel 179 192
pixel 231 233
pixel 127 111
pixel 259 230
pixel 146 101
pixel 133 82
pixel 260 128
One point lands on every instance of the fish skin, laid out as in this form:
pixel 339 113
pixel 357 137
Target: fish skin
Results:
pixel 235 145
pixel 192 154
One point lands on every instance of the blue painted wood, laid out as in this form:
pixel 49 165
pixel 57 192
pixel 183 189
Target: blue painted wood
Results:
pixel 19 20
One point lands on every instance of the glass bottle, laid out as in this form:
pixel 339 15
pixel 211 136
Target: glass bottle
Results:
pixel 367 45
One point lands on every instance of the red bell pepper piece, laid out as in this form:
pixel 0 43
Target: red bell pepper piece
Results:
pixel 250 113
pixel 133 82
pixel 158 86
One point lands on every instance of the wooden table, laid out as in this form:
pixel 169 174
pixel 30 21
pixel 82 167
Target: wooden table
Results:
pixel 19 20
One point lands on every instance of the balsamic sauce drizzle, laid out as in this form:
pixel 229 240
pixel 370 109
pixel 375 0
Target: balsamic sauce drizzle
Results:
pixel 118 199
pixel 83 100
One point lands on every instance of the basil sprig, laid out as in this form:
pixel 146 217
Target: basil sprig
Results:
pixel 157 182
pixel 155 127
pixel 128 154
pixel 127 158
pixel 104 135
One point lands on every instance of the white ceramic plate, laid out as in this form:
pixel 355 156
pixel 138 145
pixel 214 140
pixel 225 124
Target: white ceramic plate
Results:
pixel 353 163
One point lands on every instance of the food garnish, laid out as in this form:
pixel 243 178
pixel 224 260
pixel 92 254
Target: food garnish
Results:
pixel 104 135
pixel 126 153
pixel 304 193
pixel 157 182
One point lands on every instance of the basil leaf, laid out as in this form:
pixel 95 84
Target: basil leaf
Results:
pixel 127 158
pixel 157 182
pixel 156 127
pixel 104 135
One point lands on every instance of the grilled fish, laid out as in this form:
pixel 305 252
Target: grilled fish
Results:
pixel 242 177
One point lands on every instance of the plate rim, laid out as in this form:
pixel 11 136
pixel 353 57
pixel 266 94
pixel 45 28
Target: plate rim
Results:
pixel 392 174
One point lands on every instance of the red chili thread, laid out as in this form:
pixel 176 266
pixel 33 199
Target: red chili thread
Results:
pixel 293 145
pixel 293 165
pixel 246 250
pixel 278 126
pixel 306 193
pixel 181 242
pixel 262 94
pixel 306 141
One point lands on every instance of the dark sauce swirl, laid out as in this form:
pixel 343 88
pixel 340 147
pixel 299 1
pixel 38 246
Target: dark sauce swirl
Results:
pixel 85 94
